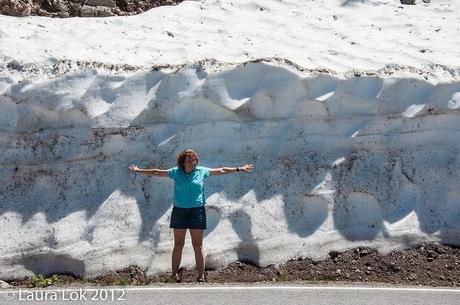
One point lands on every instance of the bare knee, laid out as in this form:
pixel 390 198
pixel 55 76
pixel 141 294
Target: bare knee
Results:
pixel 197 246
pixel 178 245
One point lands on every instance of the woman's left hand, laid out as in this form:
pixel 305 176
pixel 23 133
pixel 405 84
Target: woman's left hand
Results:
pixel 247 167
pixel 134 168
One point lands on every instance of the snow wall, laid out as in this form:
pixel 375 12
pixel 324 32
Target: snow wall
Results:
pixel 340 161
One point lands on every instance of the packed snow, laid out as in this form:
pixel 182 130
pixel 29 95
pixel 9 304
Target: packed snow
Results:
pixel 352 123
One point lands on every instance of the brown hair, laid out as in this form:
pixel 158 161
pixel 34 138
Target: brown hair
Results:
pixel 181 157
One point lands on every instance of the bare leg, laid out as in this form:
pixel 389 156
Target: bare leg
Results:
pixel 179 241
pixel 200 254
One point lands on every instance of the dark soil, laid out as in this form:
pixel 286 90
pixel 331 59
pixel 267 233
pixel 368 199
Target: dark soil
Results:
pixel 80 8
pixel 429 265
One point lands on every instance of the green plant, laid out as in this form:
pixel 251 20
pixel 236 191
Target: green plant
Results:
pixel 123 281
pixel 86 281
pixel 40 281
pixel 329 277
pixel 282 276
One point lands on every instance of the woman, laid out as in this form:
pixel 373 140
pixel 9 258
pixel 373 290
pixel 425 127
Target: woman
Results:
pixel 189 200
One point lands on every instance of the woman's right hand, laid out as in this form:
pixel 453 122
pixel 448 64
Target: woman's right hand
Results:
pixel 134 168
pixel 248 167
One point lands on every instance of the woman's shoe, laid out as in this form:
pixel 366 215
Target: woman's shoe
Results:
pixel 176 278
pixel 202 278
pixel 180 273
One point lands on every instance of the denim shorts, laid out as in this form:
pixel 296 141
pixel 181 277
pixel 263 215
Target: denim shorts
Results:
pixel 188 218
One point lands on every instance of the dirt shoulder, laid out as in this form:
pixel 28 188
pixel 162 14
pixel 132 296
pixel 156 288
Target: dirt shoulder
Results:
pixel 429 265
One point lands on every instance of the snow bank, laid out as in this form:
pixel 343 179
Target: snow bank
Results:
pixel 340 35
pixel 342 158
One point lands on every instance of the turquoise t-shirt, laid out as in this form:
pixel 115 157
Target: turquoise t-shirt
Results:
pixel 189 188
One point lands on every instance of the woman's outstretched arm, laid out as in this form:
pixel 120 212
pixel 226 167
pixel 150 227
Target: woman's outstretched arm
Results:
pixel 229 170
pixel 149 171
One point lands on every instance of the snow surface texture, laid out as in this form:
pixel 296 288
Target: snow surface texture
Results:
pixel 340 35
pixel 342 158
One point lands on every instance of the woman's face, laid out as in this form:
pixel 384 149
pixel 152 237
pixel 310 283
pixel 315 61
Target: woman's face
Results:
pixel 189 164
